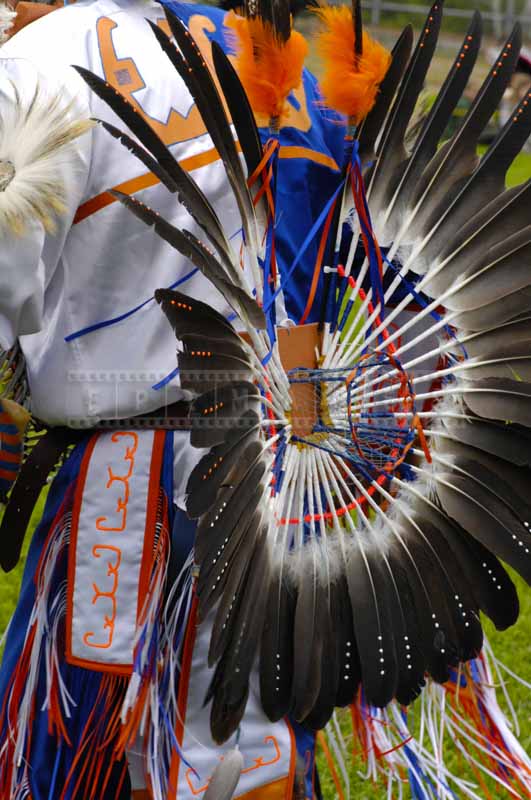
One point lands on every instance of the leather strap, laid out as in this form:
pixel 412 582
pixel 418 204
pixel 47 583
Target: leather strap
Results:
pixel 172 417
pixel 297 347
pixel 29 12
pixel 25 493
pixel 42 460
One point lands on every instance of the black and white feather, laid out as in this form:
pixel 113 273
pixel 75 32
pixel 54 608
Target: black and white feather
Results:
pixel 362 552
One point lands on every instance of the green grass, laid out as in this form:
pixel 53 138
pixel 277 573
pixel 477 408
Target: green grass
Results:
pixel 10 584
pixel 520 170
pixel 513 648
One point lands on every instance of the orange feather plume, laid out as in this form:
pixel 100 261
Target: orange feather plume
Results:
pixel 350 83
pixel 268 68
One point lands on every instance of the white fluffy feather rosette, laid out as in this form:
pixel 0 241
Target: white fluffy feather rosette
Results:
pixel 7 15
pixel 38 125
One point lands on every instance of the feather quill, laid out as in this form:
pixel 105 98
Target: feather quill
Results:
pixel 240 109
pixel 191 66
pixel 225 777
pixel 373 122
pixel 203 258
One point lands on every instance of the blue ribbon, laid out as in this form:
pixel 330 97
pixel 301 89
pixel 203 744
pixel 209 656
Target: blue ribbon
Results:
pixel 165 381
pixel 51 793
pixel 175 743
pixel 278 467
pixel 424 304
pixel 309 238
pixel 108 322
pixel 268 302
pixel 374 268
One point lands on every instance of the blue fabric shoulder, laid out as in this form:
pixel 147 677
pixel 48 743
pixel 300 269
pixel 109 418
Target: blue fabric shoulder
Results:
pixel 307 177
pixel 187 10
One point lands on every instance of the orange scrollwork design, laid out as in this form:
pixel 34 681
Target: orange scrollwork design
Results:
pixel 122 72
pixel 113 570
pixel 102 523
pixel 258 764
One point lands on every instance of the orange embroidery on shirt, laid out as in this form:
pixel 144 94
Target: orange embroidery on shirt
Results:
pixel 122 503
pixel 109 620
pixel 258 764
pixel 148 180
pixel 293 151
pixel 294 117
pixel 297 115
pixel 124 75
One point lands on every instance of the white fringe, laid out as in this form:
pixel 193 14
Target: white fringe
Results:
pixel 44 619
pixel 392 752
pixel 160 712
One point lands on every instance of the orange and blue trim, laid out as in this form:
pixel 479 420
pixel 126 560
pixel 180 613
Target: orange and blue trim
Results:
pixel 11 451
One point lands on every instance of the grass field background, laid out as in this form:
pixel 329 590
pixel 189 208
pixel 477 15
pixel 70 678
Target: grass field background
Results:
pixel 512 648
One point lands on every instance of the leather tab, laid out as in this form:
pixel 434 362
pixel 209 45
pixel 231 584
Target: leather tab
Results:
pixel 29 12
pixel 297 346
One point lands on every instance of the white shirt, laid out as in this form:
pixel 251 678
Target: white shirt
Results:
pixel 108 263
